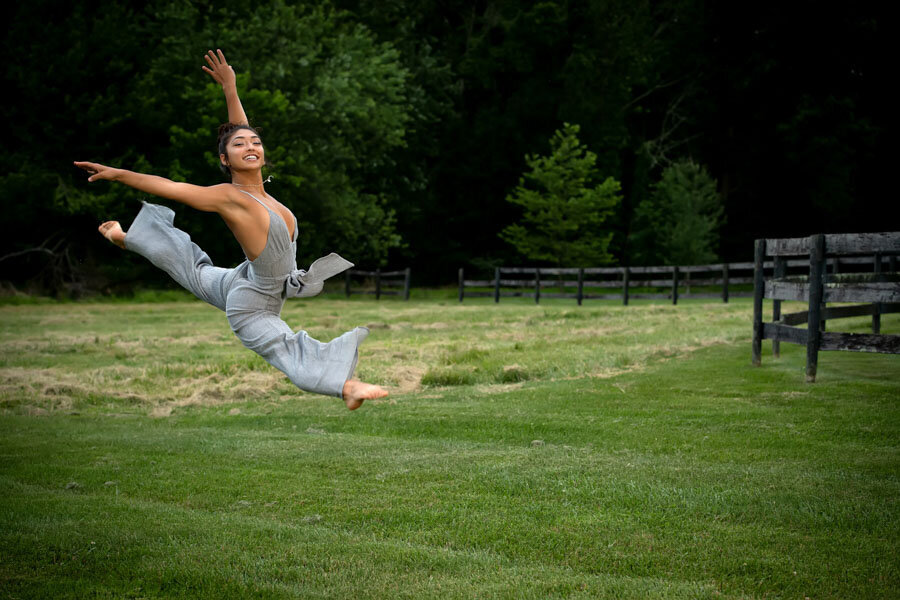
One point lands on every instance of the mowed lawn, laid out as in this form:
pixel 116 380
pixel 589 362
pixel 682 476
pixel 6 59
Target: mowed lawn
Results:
pixel 525 452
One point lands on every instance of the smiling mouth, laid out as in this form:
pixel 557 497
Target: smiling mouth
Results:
pixel 251 157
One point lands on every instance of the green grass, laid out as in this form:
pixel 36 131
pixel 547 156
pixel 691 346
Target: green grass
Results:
pixel 525 452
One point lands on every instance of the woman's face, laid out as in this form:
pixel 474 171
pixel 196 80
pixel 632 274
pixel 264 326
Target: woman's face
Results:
pixel 244 151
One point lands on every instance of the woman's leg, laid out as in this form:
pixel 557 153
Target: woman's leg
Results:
pixel 313 366
pixel 154 236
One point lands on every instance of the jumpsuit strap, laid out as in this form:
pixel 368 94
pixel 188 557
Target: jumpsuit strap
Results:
pixel 255 198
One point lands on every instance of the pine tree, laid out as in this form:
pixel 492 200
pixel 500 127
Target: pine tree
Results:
pixel 564 212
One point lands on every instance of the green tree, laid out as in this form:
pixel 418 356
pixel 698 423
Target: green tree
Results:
pixel 122 84
pixel 564 211
pixel 678 224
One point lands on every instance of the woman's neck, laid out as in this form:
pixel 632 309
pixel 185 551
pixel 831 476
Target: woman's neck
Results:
pixel 253 181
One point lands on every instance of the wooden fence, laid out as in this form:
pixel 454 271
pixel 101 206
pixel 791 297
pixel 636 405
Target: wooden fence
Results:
pixel 387 283
pixel 592 283
pixel 878 289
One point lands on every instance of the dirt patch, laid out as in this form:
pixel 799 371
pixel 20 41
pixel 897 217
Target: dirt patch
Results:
pixel 161 411
pixel 497 388
pixel 407 379
pixel 434 325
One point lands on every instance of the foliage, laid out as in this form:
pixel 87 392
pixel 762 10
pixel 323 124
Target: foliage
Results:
pixel 419 111
pixel 564 210
pixel 334 103
pixel 678 224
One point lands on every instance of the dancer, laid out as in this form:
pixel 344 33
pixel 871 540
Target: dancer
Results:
pixel 253 293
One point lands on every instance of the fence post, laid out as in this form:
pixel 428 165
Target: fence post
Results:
pixel 378 283
pixel 675 284
pixel 626 276
pixel 580 285
pixel 537 286
pixel 462 287
pixel 759 289
pixel 497 285
pixel 725 283
pixel 406 279
pixel 876 313
pixel 780 268
pixel 347 283
pixel 814 319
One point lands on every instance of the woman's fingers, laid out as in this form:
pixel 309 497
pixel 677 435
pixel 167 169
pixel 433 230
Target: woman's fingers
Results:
pixel 218 66
pixel 95 169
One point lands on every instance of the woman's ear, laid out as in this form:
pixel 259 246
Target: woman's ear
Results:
pixel 224 160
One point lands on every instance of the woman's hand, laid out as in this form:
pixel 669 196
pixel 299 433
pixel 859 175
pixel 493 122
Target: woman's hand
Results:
pixel 99 171
pixel 219 69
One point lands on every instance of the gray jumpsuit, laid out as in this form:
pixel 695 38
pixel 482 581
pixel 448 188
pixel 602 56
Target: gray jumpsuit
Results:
pixel 253 293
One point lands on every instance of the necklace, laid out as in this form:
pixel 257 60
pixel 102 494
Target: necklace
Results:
pixel 268 180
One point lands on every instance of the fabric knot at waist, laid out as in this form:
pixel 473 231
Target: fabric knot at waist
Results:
pixel 301 283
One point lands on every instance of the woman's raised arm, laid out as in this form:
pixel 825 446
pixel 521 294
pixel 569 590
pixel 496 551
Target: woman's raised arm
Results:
pixel 221 71
pixel 215 198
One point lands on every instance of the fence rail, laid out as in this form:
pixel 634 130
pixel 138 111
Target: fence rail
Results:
pixel 879 289
pixel 531 282
pixel 387 283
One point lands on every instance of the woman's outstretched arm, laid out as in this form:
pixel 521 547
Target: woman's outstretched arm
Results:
pixel 215 198
pixel 221 71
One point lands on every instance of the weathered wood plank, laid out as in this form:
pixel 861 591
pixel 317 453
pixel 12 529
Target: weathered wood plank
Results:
pixel 778 272
pixel 725 282
pixel 604 271
pixel 839 312
pixel 375 273
pixel 860 342
pixel 888 292
pixel 786 290
pixel 815 291
pixel 787 247
pixel 702 269
pixel 675 285
pixel 651 270
pixel 651 282
pixel 795 318
pixel 759 288
pixel 784 333
pixel 862 243
pixel 579 295
pixel 697 295
pixel 544 271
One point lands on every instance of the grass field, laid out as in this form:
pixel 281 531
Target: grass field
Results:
pixel 525 452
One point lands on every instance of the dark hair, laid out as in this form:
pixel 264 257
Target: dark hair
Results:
pixel 225 132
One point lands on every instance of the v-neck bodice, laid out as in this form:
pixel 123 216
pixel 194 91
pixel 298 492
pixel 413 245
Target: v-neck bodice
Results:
pixel 279 256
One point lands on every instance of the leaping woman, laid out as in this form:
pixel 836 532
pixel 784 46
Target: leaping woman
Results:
pixel 253 293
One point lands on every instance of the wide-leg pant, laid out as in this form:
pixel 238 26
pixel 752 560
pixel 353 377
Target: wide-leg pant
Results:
pixel 253 308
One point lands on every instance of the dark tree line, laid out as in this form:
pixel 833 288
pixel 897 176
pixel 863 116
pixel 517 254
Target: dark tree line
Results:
pixel 397 128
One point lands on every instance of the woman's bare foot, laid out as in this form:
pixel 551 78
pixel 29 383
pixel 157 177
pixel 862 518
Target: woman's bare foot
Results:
pixel 355 392
pixel 112 231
